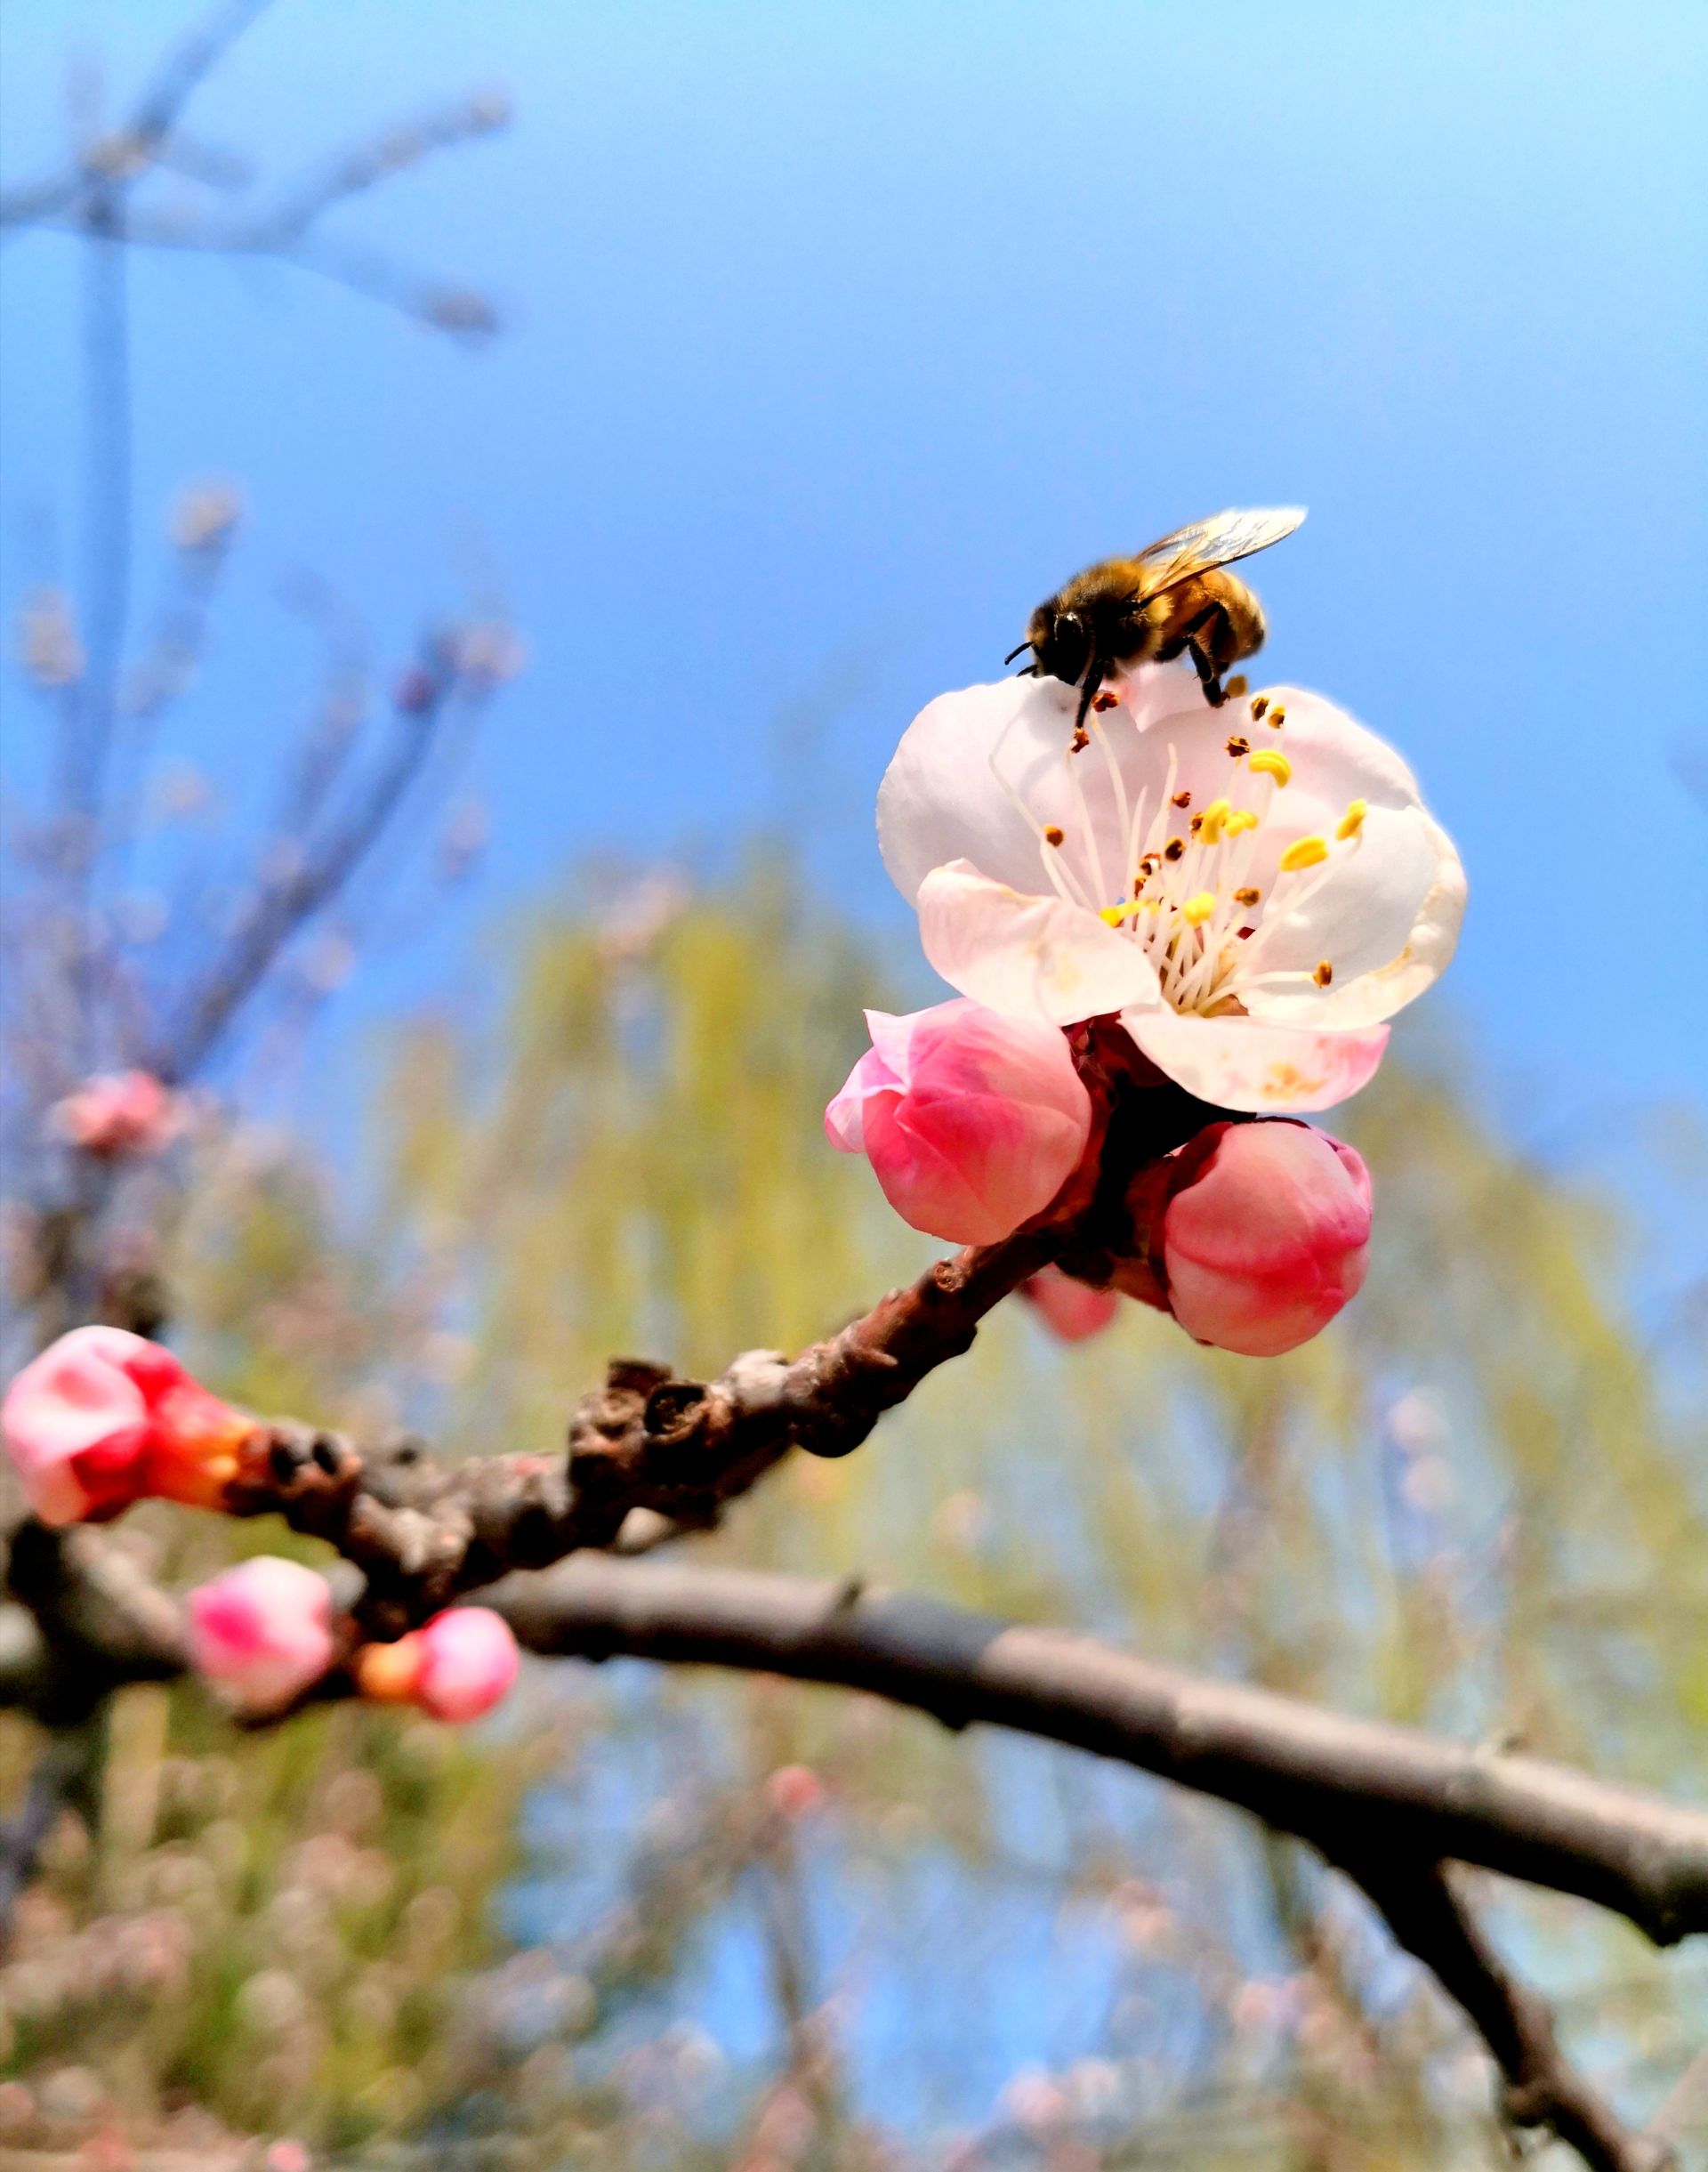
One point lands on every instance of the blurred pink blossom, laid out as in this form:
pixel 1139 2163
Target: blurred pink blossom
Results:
pixel 204 515
pixel 263 1629
pixel 488 652
pixel 1264 1234
pixel 972 1121
pixel 118 1112
pixel 794 1790
pixel 48 646
pixel 1071 1309
pixel 456 1668
pixel 103 1419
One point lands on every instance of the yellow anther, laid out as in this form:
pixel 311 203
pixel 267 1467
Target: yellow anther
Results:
pixel 1352 820
pixel 1053 835
pixel 1196 910
pixel 1114 914
pixel 1213 823
pixel 1270 761
pixel 1276 717
pixel 1304 853
pixel 1324 974
pixel 1241 819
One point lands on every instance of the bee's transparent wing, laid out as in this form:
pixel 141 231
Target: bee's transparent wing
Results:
pixel 1218 541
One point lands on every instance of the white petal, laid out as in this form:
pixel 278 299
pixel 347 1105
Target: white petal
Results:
pixel 1249 1065
pixel 1387 925
pixel 1333 757
pixel 1361 916
pixel 942 799
pixel 1435 937
pixel 1153 691
pixel 1032 956
pixel 939 800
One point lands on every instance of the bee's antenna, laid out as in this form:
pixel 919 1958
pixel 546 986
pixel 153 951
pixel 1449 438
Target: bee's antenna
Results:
pixel 1012 653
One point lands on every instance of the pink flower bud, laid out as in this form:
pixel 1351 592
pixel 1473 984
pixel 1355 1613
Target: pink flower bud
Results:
pixel 454 1668
pixel 972 1120
pixel 124 1112
pixel 1265 1233
pixel 263 1629
pixel 103 1418
pixel 469 1660
pixel 1071 1310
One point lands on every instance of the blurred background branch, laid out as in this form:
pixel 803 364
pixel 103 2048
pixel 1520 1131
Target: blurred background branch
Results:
pixel 125 985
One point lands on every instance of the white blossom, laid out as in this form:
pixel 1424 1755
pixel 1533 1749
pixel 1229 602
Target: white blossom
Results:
pixel 1254 889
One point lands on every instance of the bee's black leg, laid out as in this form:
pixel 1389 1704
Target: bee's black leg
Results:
pixel 1209 675
pixel 1094 675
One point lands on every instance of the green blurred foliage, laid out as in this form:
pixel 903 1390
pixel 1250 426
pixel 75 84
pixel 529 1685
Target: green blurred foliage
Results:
pixel 1464 1505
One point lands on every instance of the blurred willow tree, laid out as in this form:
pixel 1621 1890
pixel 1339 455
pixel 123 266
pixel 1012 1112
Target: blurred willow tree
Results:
pixel 778 1927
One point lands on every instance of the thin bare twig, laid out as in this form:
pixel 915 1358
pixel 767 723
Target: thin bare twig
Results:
pixel 66 1776
pixel 193 58
pixel 284 904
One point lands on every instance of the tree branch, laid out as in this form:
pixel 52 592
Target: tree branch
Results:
pixel 101 1625
pixel 1347 1786
pixel 1388 1804
pixel 1430 1920
pixel 423 1536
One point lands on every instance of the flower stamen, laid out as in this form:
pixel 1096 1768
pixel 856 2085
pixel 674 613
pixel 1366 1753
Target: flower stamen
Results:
pixel 1189 901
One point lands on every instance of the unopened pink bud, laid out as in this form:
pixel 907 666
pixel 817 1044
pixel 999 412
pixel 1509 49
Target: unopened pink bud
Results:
pixel 456 1668
pixel 1069 1309
pixel 263 1630
pixel 1265 1235
pixel 103 1418
pixel 116 1113
pixel 972 1121
pixel 468 1661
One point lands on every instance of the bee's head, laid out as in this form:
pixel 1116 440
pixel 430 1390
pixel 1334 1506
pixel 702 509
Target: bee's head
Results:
pixel 1060 642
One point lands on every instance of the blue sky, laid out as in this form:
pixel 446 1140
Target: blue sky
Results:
pixel 840 335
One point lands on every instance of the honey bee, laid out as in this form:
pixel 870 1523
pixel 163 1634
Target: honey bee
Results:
pixel 1173 599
